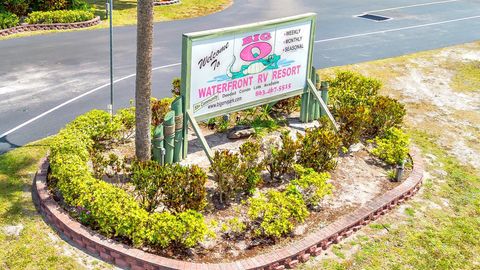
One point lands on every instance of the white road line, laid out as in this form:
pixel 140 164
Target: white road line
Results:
pixel 397 29
pixel 76 98
pixel 417 5
pixel 177 64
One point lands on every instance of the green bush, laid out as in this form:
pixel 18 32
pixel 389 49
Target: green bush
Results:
pixel 59 16
pixel 392 147
pixel 351 99
pixel 79 5
pixel 385 113
pixel 159 107
pixel 319 149
pixel 250 165
pixel 17 7
pixel 275 213
pixel 312 185
pixel 50 5
pixel 8 20
pixel 125 119
pixel 225 171
pixel 233 228
pixel 176 187
pixel 279 159
pixel 109 209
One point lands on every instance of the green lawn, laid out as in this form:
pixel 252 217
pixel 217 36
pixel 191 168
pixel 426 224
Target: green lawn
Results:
pixel 37 246
pixel 125 11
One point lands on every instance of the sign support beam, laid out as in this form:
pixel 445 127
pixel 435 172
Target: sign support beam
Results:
pixel 318 97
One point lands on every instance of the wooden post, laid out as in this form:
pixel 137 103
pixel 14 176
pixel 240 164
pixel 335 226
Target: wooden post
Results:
pixel 177 107
pixel 169 131
pixel 158 149
pixel 324 94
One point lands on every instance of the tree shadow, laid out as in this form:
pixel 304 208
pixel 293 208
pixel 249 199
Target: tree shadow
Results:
pixel 100 7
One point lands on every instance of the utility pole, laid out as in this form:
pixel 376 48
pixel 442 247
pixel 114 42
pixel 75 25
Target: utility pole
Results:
pixel 109 11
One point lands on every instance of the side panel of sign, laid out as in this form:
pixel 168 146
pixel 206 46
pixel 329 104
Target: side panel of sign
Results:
pixel 240 68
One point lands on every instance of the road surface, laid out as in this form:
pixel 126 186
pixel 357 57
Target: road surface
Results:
pixel 48 80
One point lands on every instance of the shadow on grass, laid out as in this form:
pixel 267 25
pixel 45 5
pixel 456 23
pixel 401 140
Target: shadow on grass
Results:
pixel 15 182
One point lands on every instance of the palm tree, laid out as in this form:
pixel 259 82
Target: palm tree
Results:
pixel 143 84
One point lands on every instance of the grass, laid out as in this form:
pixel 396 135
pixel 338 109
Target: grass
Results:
pixel 125 13
pixel 439 227
pixel 467 77
pixel 444 238
pixel 37 246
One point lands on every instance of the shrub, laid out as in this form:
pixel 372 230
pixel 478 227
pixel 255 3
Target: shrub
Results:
pixel 79 5
pixel 385 113
pixel 275 213
pixel 279 159
pixel 51 5
pixel 351 97
pixel 319 148
pixel 17 7
pixel 125 118
pixel 287 106
pixel 176 187
pixel 250 165
pixel 176 84
pixel 110 209
pixel 59 16
pixel 233 228
pixel 312 185
pixel 392 147
pixel 159 107
pixel 98 125
pixel 8 20
pixel 225 173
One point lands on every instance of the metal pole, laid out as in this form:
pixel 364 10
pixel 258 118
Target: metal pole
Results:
pixel 110 11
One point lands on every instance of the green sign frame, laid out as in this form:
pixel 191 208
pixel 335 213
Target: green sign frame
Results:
pixel 189 38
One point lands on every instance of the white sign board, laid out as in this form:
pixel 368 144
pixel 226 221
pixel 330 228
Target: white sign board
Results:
pixel 250 66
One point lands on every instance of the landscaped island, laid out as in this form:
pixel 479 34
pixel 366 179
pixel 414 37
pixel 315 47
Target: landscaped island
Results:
pixel 282 183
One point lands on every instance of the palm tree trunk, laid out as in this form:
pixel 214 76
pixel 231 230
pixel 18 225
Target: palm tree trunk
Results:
pixel 143 84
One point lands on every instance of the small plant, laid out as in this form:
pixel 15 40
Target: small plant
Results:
pixel 126 119
pixel 319 149
pixel 233 228
pixel 312 185
pixel 159 107
pixel 175 187
pixel 8 20
pixel 275 213
pixel 176 84
pixel 250 165
pixel 391 174
pixel 287 106
pixel 225 173
pixel 385 113
pixel 279 159
pixel 392 147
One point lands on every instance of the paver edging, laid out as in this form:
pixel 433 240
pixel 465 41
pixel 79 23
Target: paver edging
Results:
pixel 52 26
pixel 286 257
pixel 165 3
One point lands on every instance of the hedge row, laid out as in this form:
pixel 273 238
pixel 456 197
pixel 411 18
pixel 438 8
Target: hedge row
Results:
pixel 8 20
pixel 59 16
pixel 110 209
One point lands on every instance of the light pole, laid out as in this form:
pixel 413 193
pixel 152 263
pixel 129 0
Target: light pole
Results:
pixel 109 8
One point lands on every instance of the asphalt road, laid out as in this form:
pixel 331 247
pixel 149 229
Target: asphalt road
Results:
pixel 48 80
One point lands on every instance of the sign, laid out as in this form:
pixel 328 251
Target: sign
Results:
pixel 232 69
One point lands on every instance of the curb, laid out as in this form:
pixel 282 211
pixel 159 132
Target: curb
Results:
pixel 165 3
pixel 53 26
pixel 287 257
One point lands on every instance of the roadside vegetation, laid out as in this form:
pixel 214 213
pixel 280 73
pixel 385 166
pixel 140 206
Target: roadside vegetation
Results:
pixel 124 12
pixel 437 229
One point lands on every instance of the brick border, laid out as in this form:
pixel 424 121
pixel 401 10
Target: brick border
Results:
pixel 287 257
pixel 53 26
pixel 165 3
